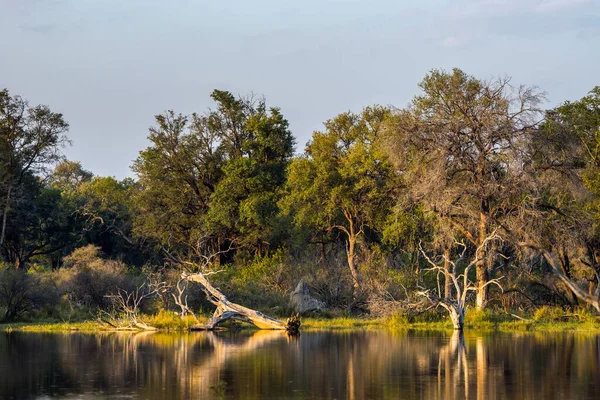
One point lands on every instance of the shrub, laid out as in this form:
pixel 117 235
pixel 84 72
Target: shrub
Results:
pixel 16 293
pixel 548 314
pixel 87 278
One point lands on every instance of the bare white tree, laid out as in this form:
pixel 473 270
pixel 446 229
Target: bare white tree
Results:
pixel 463 287
pixel 128 302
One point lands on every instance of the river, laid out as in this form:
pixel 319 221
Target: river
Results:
pixel 315 365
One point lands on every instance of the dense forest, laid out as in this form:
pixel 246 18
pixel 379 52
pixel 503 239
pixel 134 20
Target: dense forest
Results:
pixel 471 195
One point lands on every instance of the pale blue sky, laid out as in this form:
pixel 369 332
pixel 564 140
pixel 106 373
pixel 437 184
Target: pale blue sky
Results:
pixel 110 65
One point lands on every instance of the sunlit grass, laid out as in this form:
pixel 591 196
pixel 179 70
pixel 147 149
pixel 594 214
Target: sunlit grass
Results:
pixel 342 323
pixel 86 326
pixel 169 321
pixel 544 320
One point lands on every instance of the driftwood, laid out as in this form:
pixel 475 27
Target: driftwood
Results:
pixel 227 310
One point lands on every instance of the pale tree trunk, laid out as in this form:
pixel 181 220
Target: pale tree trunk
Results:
pixel 447 280
pixel 350 254
pixel 481 271
pixel 227 310
pixel 5 214
pixel 457 315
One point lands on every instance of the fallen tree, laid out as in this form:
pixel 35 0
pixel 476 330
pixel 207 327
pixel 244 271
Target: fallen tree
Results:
pixel 227 310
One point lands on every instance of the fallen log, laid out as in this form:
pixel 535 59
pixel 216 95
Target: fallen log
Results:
pixel 227 310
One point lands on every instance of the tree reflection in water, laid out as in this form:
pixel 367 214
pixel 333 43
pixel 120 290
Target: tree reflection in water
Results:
pixel 319 365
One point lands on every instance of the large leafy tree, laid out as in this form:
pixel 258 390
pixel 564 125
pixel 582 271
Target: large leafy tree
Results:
pixel 342 181
pixel 459 145
pixel 244 204
pixel 213 178
pixel 177 175
pixel 41 223
pixel 30 140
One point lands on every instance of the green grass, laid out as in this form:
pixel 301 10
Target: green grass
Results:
pixel 342 323
pixel 543 320
pixel 86 326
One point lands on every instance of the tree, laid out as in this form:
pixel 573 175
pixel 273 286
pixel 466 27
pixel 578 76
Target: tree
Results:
pixel 459 149
pixel 105 210
pixel 41 223
pixel 244 204
pixel 68 175
pixel 563 216
pixel 216 176
pixel 177 176
pixel 342 181
pixel 455 305
pixel 30 140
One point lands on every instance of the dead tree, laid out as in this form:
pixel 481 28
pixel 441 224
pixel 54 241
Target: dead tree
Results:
pixel 227 310
pixel 456 304
pixel 181 298
pixel 128 303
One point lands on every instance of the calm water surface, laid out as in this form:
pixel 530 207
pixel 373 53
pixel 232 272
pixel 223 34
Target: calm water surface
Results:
pixel 317 365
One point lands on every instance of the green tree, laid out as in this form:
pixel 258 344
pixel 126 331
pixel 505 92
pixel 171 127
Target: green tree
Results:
pixel 106 208
pixel 213 178
pixel 342 182
pixel 177 175
pixel 68 175
pixel 244 204
pixel 30 140
pixel 40 223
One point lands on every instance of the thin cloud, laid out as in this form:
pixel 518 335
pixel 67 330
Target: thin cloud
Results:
pixel 551 6
pixel 38 28
pixel 491 8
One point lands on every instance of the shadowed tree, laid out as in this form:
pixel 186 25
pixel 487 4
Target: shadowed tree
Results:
pixel 564 214
pixel 30 140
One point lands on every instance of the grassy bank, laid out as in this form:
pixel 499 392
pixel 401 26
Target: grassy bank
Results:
pixel 544 320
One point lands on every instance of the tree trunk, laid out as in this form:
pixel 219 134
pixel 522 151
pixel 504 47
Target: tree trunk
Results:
pixel 593 300
pixel 566 267
pixel 457 315
pixel 481 271
pixel 5 214
pixel 482 291
pixel 227 310
pixel 350 254
pixel 447 280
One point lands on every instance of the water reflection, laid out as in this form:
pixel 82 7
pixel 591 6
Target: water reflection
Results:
pixel 320 365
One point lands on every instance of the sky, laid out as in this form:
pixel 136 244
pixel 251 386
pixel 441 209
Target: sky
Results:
pixel 110 65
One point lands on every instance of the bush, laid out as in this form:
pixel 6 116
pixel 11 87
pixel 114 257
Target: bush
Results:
pixel 87 278
pixel 16 293
pixel 549 314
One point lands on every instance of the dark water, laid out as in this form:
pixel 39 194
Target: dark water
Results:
pixel 319 365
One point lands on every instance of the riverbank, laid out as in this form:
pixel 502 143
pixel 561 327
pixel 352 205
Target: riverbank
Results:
pixel 476 321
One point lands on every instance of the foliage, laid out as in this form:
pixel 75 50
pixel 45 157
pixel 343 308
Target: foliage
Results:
pixel 343 181
pixel 223 190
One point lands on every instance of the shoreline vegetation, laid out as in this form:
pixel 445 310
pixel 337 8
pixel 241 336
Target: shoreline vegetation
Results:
pixel 473 207
pixel 546 319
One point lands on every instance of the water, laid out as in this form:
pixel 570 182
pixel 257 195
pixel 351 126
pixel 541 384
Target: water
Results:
pixel 317 365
